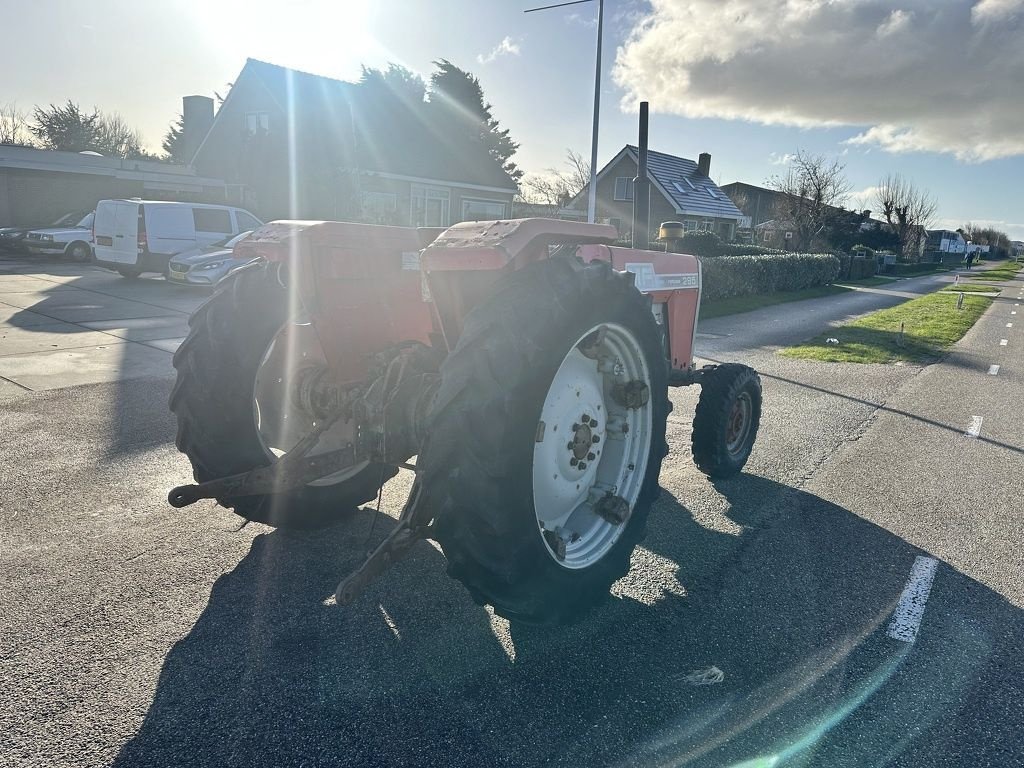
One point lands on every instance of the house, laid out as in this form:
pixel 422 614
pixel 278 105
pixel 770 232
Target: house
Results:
pixel 681 190
pixel 291 144
pixel 37 186
pixel 1017 248
pixel 945 241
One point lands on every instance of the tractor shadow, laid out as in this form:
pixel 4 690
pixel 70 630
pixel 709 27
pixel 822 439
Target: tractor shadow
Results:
pixel 792 609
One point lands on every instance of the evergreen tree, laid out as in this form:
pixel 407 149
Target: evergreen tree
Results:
pixel 173 144
pixel 457 104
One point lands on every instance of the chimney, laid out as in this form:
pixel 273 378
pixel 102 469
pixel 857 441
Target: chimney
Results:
pixel 197 117
pixel 704 164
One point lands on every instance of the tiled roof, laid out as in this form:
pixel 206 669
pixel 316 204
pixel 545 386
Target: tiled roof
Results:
pixel 690 192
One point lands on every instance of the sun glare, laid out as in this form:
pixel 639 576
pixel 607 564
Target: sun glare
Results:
pixel 326 37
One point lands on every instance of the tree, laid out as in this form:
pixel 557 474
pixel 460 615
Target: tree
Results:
pixel 173 143
pixel 69 128
pixel 115 138
pixel 65 127
pixel 812 190
pixel 997 240
pixel 907 210
pixel 394 83
pixel 14 129
pixel 458 109
pixel 557 187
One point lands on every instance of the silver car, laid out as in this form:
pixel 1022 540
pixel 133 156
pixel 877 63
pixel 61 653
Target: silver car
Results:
pixel 208 265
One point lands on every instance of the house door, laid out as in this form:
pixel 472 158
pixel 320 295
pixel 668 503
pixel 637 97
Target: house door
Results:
pixel 429 206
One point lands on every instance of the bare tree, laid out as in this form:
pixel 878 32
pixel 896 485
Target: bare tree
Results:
pixel 557 187
pixel 14 126
pixel 812 190
pixel 114 137
pixel 908 211
pixel 997 240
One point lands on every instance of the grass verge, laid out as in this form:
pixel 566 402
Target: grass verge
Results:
pixel 931 324
pixel 738 304
pixel 1005 271
pixel 970 288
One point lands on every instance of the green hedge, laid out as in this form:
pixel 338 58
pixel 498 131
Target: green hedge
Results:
pixel 749 275
pixel 852 268
pixel 708 244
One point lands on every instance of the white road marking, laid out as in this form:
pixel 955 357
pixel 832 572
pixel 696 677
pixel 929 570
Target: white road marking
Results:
pixel 975 428
pixel 993 370
pixel 906 619
pixel 1013 311
pixel 1009 325
pixel 1003 342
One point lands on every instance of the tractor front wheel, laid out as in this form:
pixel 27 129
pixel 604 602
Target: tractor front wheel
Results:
pixel 726 420
pixel 235 408
pixel 546 440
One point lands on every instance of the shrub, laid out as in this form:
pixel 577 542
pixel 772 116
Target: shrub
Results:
pixel 854 268
pixel 748 275
pixel 739 249
pixel 702 243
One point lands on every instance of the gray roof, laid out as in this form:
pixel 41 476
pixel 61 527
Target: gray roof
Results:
pixel 688 191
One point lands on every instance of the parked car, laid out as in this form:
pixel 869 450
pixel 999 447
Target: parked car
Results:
pixel 75 241
pixel 136 236
pixel 208 265
pixel 12 239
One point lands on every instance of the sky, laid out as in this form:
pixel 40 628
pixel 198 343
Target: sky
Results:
pixel 931 89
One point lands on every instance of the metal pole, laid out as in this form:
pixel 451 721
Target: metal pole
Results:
pixel 592 198
pixel 642 189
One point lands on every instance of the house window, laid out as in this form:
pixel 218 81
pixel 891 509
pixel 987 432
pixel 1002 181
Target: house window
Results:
pixel 689 225
pixel 482 210
pixel 379 207
pixel 257 122
pixel 707 225
pixel 623 188
pixel 767 236
pixel 429 206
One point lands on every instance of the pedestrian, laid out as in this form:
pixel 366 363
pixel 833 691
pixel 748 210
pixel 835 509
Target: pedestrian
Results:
pixel 969 258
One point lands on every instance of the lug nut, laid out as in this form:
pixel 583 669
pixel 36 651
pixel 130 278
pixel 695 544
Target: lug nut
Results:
pixel 586 418
pixel 570 445
pixel 591 457
pixel 582 465
pixel 573 461
pixel 595 439
pixel 575 427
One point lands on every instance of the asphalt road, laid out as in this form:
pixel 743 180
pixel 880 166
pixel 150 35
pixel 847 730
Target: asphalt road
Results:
pixel 136 635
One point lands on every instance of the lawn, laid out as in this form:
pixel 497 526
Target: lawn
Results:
pixel 931 325
pixel 738 304
pixel 970 288
pixel 1005 271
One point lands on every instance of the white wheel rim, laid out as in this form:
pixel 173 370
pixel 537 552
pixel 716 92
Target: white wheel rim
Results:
pixel 564 495
pixel 280 423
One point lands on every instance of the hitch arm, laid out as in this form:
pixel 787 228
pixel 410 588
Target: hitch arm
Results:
pixel 280 476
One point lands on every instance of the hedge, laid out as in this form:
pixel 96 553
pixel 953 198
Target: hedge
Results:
pixel 749 275
pixel 708 244
pixel 852 268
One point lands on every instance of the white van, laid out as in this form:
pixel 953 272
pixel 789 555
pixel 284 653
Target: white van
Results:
pixel 136 236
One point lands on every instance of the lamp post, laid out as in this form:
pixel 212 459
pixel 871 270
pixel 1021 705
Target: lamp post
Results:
pixel 592 187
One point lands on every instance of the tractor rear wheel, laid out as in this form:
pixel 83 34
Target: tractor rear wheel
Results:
pixel 235 410
pixel 546 439
pixel 726 420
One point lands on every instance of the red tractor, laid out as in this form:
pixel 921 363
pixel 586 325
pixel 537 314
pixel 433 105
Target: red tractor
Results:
pixel 525 363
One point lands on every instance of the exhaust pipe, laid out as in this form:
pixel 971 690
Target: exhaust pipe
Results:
pixel 642 190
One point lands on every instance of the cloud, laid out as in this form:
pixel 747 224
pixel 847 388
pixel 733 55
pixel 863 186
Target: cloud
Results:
pixel 776 159
pixel 923 76
pixel 863 199
pixel 507 47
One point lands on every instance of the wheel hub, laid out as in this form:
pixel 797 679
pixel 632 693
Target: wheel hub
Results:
pixel 592 446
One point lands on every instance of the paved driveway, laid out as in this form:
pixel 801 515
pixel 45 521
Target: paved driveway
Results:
pixel 66 325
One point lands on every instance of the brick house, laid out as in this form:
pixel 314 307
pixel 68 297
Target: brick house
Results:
pixel 291 144
pixel 681 190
